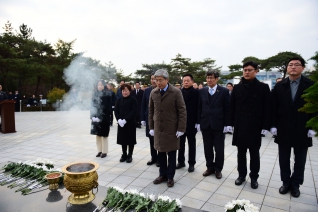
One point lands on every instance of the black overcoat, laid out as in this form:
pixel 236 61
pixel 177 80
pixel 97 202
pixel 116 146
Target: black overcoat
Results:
pixel 290 123
pixel 249 112
pixel 139 101
pixel 191 100
pixel 126 108
pixel 101 108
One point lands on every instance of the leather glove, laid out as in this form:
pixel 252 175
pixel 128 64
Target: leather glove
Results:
pixel 273 130
pixel 311 133
pixel 124 122
pixel 264 132
pixel 178 134
pixel 97 120
pixel 229 129
pixel 152 132
pixel 225 129
pixel 198 127
pixel 143 123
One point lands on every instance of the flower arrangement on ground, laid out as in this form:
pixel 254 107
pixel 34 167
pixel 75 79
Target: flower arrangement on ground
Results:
pixel 123 200
pixel 240 206
pixel 27 176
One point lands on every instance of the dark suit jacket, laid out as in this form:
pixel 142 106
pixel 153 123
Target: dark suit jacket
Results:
pixel 144 108
pixel 191 100
pixel 249 113
pixel 139 100
pixel 214 114
pixel 3 96
pixel 291 123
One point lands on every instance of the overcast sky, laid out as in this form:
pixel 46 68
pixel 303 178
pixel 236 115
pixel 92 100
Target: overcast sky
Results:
pixel 132 33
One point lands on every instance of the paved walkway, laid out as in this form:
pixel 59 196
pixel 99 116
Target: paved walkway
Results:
pixel 64 138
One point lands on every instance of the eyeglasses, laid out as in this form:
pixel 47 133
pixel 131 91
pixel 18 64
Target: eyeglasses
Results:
pixel 160 80
pixel 248 70
pixel 296 65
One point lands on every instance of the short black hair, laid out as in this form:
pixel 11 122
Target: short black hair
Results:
pixel 123 86
pixel 302 61
pixel 211 72
pixel 152 73
pixel 229 83
pixel 188 75
pixel 137 82
pixel 251 63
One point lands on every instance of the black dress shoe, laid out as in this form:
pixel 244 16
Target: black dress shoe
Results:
pixel 160 179
pixel 98 154
pixel 284 189
pixel 191 168
pixel 208 172
pixel 151 162
pixel 254 184
pixel 239 181
pixel 170 183
pixel 158 164
pixel 218 175
pixel 103 155
pixel 180 165
pixel 295 192
pixel 129 159
pixel 123 158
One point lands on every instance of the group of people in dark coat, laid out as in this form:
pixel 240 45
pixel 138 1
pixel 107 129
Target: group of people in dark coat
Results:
pixel 248 110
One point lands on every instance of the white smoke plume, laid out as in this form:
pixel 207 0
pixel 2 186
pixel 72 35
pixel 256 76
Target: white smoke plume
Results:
pixel 82 76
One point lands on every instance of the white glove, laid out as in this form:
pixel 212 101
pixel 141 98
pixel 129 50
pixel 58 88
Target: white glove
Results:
pixel 113 106
pixel 143 123
pixel 311 133
pixel 97 119
pixel 198 127
pixel 273 130
pixel 229 129
pixel 28 105
pixel 124 122
pixel 264 132
pixel 93 119
pixel 178 134
pixel 120 122
pixel 152 132
pixel 225 129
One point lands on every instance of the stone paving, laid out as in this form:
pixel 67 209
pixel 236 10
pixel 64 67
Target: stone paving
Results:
pixel 64 138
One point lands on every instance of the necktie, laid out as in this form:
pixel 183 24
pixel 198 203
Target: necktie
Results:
pixel 293 89
pixel 162 92
pixel 136 91
pixel 211 91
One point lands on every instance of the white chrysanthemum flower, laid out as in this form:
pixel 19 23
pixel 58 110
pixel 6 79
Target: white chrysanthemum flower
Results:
pixel 152 197
pixel 133 191
pixel 119 189
pixel 165 198
pixel 244 201
pixel 229 206
pixel 240 210
pixel 179 203
pixel 142 194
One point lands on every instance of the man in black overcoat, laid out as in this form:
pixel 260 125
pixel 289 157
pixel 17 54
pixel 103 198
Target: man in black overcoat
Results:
pixel 17 98
pixel 289 125
pixel 213 115
pixel 191 100
pixel 250 116
pixel 138 94
pixel 144 120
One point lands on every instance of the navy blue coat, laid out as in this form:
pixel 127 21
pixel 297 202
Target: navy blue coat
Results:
pixel 216 113
pixel 144 108
pixel 3 96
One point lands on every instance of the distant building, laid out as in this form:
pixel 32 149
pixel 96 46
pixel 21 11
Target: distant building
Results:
pixel 268 77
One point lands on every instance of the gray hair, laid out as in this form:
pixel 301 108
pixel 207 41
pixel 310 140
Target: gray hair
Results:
pixel 213 72
pixel 162 73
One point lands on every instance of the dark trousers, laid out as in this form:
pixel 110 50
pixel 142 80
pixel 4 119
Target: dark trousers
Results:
pixel 254 161
pixel 213 139
pixel 297 177
pixel 111 117
pixel 130 150
pixel 191 147
pixel 167 170
pixel 153 152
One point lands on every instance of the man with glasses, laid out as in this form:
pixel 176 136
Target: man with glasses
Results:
pixel 213 114
pixel 289 125
pixel 250 116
